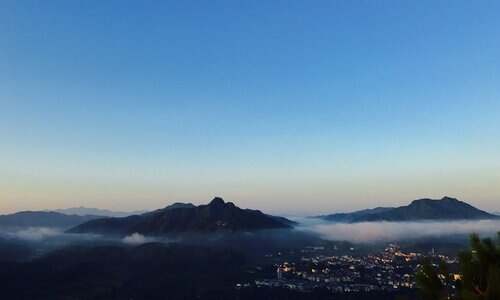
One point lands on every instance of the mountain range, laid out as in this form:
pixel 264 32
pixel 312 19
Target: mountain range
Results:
pixel 446 208
pixel 186 217
pixel 219 216
pixel 43 219
pixel 86 211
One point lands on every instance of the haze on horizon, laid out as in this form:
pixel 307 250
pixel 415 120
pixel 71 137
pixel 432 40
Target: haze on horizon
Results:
pixel 287 107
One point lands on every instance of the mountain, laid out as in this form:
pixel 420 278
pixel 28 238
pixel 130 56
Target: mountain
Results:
pixel 181 217
pixel 43 219
pixel 422 209
pixel 171 207
pixel 353 216
pixel 85 211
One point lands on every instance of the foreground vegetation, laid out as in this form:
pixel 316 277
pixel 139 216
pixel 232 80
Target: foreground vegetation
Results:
pixel 477 279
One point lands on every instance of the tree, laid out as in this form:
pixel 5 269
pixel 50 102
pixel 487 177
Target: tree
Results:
pixel 432 281
pixel 479 270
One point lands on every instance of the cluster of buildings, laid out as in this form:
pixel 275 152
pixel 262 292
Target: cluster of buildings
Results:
pixel 388 270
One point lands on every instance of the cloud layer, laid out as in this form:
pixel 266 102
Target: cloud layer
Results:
pixel 390 231
pixel 34 233
pixel 136 239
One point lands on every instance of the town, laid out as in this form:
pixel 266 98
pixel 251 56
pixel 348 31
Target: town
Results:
pixel 315 267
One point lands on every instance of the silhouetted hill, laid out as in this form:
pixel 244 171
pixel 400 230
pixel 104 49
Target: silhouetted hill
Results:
pixel 14 250
pixel 353 216
pixel 170 207
pixel 215 216
pixel 43 219
pixel 149 271
pixel 423 209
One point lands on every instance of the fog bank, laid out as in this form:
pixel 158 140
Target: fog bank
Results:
pixel 391 231
pixel 136 239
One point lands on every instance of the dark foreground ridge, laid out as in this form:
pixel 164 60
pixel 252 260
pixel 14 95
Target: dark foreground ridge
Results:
pixel 181 217
pixel 445 209
pixel 152 271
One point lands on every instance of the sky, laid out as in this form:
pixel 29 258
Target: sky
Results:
pixel 292 107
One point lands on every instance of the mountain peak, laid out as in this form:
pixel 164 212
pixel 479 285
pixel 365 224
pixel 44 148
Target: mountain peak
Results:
pixel 181 217
pixel 446 208
pixel 446 198
pixel 217 201
pixel 180 205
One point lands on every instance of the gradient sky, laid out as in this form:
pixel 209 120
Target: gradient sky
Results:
pixel 286 106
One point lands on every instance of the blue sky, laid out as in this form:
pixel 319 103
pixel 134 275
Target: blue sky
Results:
pixel 286 106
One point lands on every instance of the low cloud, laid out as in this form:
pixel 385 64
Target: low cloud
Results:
pixel 136 239
pixel 391 231
pixel 35 233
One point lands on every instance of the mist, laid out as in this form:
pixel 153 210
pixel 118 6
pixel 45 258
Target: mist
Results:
pixel 34 233
pixel 310 231
pixel 393 231
pixel 136 239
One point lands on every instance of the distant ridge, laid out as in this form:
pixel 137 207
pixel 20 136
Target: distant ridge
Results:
pixel 186 217
pixel 446 208
pixel 43 219
pixel 86 211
